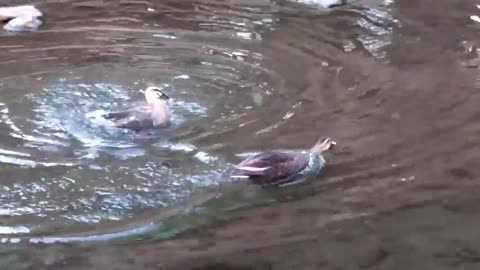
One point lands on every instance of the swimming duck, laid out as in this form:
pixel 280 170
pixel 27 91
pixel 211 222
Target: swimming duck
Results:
pixel 155 115
pixel 283 168
pixel 20 18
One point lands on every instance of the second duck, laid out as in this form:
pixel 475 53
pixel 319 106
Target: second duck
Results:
pixel 283 168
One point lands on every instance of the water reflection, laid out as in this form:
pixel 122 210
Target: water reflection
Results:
pixel 384 78
pixel 66 124
pixel 70 74
pixel 379 23
pixel 245 76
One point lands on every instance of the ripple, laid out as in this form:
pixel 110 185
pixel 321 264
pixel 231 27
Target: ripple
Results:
pixel 380 23
pixel 102 173
pixel 14 230
pixel 241 77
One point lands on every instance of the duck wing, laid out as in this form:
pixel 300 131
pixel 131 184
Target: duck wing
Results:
pixel 271 167
pixel 134 120
pixel 119 115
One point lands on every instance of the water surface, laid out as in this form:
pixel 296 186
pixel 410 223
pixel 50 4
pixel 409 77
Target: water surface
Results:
pixel 395 83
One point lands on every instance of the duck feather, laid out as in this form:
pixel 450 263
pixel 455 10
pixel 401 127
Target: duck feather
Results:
pixel 271 167
pixel 132 119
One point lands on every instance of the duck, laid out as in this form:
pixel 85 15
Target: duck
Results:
pixel 21 18
pixel 281 168
pixel 154 115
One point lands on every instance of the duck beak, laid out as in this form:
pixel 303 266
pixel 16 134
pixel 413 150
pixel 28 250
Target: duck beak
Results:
pixel 332 145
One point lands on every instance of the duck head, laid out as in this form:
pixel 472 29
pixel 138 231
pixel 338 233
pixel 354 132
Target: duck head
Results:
pixel 157 99
pixel 322 145
pixel 153 94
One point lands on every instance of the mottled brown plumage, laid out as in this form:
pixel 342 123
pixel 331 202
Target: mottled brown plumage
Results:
pixel 279 167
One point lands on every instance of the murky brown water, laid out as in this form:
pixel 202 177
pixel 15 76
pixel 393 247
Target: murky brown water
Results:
pixel 394 82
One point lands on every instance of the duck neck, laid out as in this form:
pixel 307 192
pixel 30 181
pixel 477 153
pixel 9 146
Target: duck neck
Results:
pixel 160 113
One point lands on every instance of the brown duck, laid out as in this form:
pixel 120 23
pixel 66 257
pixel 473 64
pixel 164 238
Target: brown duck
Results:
pixel 154 115
pixel 283 168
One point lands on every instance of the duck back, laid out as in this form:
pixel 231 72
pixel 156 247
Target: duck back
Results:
pixel 271 168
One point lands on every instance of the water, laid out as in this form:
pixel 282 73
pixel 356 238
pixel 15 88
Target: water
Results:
pixel 395 83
